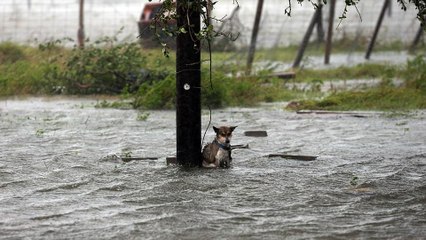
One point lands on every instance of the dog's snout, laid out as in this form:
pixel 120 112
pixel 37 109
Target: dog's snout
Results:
pixel 227 140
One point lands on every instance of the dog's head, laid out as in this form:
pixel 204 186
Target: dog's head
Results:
pixel 224 134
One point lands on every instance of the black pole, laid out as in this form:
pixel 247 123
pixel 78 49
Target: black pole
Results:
pixel 376 30
pixel 253 40
pixel 330 32
pixel 307 36
pixel 188 81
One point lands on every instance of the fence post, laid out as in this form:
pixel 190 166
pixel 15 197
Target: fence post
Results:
pixel 188 81
pixel 305 41
pixel 320 28
pixel 376 30
pixel 330 32
pixel 80 32
pixel 254 33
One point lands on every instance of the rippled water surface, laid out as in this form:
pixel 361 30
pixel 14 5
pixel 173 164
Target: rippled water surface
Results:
pixel 60 177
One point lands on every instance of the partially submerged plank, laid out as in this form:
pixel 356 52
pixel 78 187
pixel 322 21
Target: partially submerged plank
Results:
pixel 128 159
pixel 295 157
pixel 239 146
pixel 351 113
pixel 256 133
pixel 322 112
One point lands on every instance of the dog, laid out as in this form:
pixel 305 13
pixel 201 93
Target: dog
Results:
pixel 218 153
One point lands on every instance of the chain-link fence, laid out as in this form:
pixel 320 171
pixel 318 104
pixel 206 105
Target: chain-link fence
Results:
pixel 29 21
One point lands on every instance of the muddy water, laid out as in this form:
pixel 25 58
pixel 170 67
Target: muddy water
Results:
pixel 60 177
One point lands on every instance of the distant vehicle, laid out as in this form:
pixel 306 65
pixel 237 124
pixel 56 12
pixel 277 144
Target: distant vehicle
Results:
pixel 149 28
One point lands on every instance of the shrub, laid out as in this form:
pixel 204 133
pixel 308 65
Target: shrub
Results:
pixel 10 53
pixel 103 67
pixel 223 91
pixel 157 95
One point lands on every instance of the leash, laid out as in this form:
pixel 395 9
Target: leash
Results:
pixel 211 87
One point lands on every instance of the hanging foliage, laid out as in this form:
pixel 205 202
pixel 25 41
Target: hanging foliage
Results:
pixel 167 13
pixel 420 6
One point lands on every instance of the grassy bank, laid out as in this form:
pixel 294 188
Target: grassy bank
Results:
pixel 410 95
pixel 148 79
pixel 382 98
pixel 126 70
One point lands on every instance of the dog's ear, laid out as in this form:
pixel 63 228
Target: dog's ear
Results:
pixel 216 130
pixel 232 128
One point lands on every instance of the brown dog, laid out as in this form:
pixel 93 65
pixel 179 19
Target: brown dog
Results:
pixel 218 153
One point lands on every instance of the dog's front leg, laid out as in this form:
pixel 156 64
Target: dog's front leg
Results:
pixel 217 161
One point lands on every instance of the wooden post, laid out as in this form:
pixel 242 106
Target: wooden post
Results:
pixel 330 32
pixel 254 33
pixel 188 81
pixel 307 36
pixel 320 28
pixel 80 33
pixel 390 9
pixel 376 30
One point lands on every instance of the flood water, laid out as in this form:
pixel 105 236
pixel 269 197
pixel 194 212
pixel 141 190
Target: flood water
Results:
pixel 60 177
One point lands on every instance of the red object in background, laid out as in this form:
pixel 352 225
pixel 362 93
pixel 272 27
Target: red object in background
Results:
pixel 149 27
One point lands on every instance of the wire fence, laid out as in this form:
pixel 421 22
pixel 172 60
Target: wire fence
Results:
pixel 33 21
pixel 44 20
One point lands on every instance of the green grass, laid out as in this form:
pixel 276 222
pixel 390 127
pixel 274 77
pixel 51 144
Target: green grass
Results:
pixel 21 78
pixel 223 91
pixel 381 98
pixel 411 95
pixel 360 71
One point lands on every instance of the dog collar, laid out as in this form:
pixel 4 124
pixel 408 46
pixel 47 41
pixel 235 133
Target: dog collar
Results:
pixel 223 146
